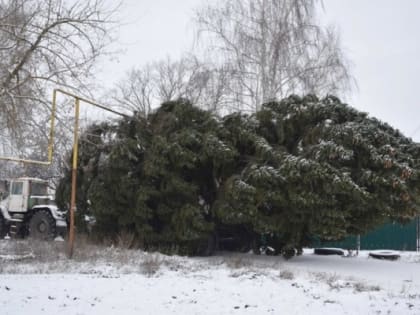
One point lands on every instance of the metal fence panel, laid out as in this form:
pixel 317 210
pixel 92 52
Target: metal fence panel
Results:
pixel 389 236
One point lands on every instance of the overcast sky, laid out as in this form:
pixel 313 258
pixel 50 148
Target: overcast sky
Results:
pixel 380 37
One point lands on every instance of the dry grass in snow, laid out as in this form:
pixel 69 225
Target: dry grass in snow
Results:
pixel 37 278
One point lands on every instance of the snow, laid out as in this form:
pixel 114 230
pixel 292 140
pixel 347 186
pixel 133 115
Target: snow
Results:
pixel 16 257
pixel 201 201
pixel 244 186
pixel 328 123
pixel 115 281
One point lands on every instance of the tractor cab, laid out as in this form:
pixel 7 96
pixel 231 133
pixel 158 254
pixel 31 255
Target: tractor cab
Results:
pixel 25 193
pixel 28 208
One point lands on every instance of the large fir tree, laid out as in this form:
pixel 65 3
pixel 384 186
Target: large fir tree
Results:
pixel 296 170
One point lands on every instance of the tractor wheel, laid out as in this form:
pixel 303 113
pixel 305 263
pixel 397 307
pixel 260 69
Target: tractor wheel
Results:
pixel 3 227
pixel 42 226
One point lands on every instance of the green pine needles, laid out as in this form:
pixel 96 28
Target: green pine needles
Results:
pixel 186 181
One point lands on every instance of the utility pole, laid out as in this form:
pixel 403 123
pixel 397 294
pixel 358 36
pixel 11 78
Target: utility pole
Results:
pixel 73 197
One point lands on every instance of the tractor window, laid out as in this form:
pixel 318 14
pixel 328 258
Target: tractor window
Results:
pixel 17 188
pixel 39 189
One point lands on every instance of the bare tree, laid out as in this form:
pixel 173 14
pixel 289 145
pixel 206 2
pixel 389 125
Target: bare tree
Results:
pixel 271 48
pixel 135 92
pixel 187 78
pixel 147 87
pixel 44 44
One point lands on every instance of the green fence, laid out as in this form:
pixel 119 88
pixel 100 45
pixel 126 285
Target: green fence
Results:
pixel 389 236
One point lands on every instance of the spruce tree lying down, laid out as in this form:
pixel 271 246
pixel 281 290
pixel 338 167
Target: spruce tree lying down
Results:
pixel 186 181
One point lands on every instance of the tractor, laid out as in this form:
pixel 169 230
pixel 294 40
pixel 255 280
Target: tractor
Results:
pixel 26 209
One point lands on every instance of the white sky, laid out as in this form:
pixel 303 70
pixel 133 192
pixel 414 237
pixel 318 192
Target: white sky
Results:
pixel 381 38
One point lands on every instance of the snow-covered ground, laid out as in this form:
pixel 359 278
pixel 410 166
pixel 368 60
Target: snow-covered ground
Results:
pixel 36 278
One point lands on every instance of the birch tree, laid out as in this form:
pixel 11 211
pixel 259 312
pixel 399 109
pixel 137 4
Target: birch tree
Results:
pixel 270 49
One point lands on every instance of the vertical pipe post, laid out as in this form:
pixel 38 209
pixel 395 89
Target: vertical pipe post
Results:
pixel 418 233
pixel 51 140
pixel 74 178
